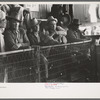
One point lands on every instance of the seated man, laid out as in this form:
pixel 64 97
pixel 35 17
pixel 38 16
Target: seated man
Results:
pixel 15 37
pixel 36 37
pixel 55 32
pixel 74 34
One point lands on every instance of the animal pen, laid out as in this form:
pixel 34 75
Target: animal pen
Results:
pixel 72 62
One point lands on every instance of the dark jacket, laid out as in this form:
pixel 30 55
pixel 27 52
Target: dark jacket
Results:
pixel 12 39
pixel 74 36
pixel 33 39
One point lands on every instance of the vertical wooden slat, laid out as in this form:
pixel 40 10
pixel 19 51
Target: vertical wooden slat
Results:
pixel 38 74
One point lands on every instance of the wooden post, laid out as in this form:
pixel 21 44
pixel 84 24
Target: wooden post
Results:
pixel 37 53
pixel 5 75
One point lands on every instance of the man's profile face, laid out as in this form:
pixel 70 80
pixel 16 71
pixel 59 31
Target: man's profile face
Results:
pixel 52 25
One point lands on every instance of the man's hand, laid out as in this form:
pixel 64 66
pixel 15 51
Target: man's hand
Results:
pixel 17 46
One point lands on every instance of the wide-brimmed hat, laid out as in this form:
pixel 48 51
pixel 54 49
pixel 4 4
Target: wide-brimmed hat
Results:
pixel 51 18
pixel 2 19
pixel 35 22
pixel 76 22
pixel 14 15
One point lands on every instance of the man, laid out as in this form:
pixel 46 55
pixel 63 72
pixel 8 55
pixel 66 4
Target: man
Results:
pixel 74 34
pixel 37 37
pixel 34 35
pixel 15 37
pixel 55 32
pixel 56 11
pixel 65 21
pixel 2 28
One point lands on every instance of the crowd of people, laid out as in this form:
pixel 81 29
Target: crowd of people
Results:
pixel 19 31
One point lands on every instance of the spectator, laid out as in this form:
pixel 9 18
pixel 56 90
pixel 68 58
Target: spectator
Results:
pixel 55 32
pixel 15 37
pixel 37 37
pixel 2 28
pixel 27 19
pixel 34 35
pixel 74 34
pixel 65 21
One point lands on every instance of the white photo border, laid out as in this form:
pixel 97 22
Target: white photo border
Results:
pixel 39 90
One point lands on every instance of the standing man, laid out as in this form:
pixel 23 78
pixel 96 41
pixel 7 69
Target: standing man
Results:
pixel 15 37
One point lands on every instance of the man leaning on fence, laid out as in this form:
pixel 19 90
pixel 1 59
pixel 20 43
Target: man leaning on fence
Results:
pixel 73 33
pixel 15 37
pixel 55 32
pixel 34 34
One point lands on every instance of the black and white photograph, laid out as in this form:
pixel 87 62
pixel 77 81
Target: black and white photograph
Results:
pixel 51 44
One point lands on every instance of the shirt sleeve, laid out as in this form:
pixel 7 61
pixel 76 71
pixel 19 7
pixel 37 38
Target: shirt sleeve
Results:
pixel 61 31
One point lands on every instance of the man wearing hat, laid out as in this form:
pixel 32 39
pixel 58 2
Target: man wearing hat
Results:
pixel 15 37
pixel 74 34
pixel 54 31
pixel 2 28
pixel 37 37
pixel 34 35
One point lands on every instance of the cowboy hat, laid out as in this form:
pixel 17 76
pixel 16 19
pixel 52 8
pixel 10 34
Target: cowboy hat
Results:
pixel 76 22
pixel 14 15
pixel 51 18
pixel 35 22
pixel 2 19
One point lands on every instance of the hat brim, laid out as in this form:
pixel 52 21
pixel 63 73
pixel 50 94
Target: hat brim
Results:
pixel 12 18
pixel 39 21
pixel 52 20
